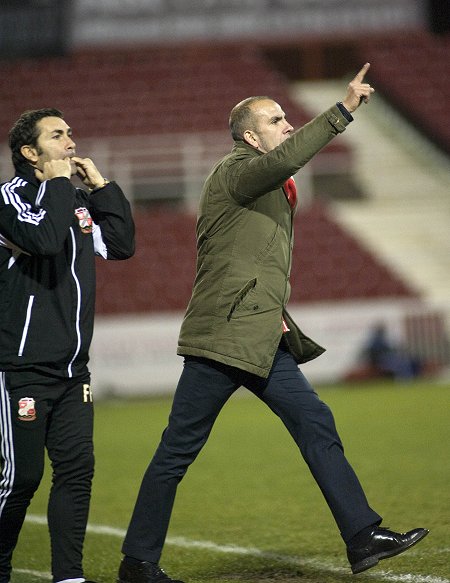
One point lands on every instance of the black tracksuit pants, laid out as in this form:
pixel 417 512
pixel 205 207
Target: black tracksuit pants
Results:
pixel 203 389
pixel 38 413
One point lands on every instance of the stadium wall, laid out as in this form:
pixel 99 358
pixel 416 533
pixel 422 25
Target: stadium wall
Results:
pixel 116 21
pixel 135 355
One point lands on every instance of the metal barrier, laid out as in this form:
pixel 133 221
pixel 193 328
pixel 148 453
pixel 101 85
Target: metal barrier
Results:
pixel 172 167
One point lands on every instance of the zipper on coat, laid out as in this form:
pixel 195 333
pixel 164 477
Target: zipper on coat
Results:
pixel 26 326
pixel 77 317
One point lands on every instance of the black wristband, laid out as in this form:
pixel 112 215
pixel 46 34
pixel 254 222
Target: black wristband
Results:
pixel 345 112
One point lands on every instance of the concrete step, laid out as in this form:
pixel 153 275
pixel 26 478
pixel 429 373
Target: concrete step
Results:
pixel 405 218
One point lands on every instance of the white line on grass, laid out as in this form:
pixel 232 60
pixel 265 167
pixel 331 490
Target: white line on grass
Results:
pixel 34 574
pixel 250 551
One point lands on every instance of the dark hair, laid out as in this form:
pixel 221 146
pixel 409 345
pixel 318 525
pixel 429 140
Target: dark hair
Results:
pixel 241 116
pixel 25 133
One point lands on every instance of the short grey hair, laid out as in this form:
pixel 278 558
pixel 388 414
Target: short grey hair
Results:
pixel 242 116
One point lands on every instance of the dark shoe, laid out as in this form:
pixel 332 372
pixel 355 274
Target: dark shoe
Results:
pixel 143 572
pixel 383 544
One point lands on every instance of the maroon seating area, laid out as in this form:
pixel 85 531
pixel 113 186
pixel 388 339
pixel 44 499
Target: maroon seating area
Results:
pixel 183 88
pixel 328 265
pixel 148 91
pixel 413 71
pixel 139 91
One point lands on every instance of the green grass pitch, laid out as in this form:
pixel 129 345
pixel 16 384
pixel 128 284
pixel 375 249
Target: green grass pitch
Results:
pixel 248 509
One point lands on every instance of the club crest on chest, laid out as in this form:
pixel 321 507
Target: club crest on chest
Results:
pixel 84 219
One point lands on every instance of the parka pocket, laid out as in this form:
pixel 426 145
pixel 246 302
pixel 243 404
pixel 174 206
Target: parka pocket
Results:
pixel 241 296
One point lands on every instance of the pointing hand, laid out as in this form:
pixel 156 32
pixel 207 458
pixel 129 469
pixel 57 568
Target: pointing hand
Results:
pixel 358 91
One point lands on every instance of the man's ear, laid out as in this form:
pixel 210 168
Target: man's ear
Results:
pixel 250 138
pixel 30 153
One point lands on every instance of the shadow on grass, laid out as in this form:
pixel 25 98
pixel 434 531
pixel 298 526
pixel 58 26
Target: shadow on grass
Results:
pixel 251 569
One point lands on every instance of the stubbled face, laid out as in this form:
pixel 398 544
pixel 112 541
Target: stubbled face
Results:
pixel 271 126
pixel 54 142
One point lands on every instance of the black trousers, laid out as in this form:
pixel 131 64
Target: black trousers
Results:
pixel 38 413
pixel 203 389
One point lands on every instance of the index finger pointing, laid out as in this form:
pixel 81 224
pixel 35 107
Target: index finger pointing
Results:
pixel 360 76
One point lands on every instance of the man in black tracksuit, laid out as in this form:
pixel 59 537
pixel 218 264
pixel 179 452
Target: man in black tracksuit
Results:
pixel 50 232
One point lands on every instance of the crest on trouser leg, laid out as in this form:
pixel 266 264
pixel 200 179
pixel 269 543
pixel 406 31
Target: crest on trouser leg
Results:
pixel 27 409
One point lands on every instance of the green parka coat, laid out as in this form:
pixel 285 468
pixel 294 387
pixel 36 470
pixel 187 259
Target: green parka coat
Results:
pixel 244 254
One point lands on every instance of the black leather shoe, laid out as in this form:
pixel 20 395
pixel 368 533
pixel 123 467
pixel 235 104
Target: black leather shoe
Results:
pixel 143 572
pixel 383 544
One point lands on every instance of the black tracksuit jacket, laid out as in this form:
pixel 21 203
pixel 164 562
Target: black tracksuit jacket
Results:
pixel 48 244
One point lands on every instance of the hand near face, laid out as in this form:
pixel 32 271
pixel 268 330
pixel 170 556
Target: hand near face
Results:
pixel 54 169
pixel 358 91
pixel 88 172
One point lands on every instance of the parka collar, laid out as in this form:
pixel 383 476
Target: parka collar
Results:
pixel 240 144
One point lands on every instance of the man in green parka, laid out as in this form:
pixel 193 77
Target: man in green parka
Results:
pixel 237 332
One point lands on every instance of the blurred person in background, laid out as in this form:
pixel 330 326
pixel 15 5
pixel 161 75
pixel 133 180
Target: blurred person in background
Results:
pixel 387 359
pixel 50 233
pixel 237 332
